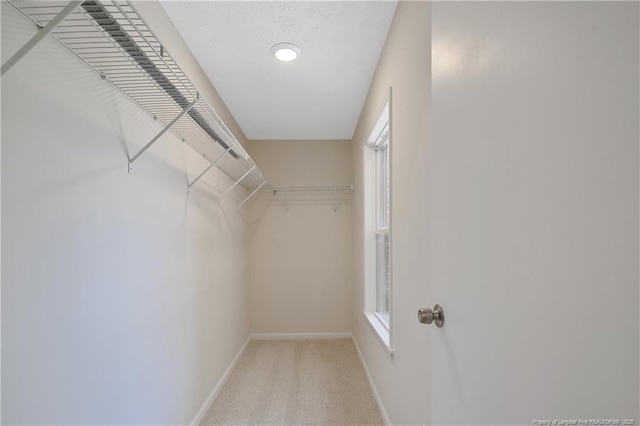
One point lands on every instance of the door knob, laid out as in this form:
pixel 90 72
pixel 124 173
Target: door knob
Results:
pixel 427 316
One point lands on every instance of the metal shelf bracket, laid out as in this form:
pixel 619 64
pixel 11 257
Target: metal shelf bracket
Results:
pixel 251 195
pixel 162 132
pixel 37 38
pixel 236 182
pixel 213 163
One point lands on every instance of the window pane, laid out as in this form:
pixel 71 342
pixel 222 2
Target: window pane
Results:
pixel 385 187
pixel 383 275
pixel 382 188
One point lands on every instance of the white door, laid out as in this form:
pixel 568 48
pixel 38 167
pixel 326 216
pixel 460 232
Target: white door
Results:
pixel 534 211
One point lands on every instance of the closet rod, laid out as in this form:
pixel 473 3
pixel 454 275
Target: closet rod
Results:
pixel 44 31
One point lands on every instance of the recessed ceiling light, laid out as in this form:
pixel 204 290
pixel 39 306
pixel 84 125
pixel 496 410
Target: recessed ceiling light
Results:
pixel 285 52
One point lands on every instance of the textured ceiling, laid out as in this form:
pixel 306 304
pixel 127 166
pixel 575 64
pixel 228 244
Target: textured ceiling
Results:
pixel 320 95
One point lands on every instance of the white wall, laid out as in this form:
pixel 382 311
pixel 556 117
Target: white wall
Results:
pixel 533 175
pixel 403 382
pixel 123 299
pixel 300 259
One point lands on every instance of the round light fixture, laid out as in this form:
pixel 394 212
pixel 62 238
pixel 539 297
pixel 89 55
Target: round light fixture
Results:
pixel 285 52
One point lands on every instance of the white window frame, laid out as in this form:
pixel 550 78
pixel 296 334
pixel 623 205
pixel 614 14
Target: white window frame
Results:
pixel 377 224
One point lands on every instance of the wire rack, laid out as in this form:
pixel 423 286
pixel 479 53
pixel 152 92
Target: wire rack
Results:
pixel 315 195
pixel 335 195
pixel 112 38
pixel 290 189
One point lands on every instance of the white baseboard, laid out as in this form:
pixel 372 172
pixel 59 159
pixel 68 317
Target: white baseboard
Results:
pixel 214 393
pixel 376 395
pixel 300 336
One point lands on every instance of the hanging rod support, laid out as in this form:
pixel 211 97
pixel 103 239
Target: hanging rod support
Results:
pixel 250 195
pixel 237 182
pixel 162 132
pixel 337 206
pixel 189 185
pixel 45 31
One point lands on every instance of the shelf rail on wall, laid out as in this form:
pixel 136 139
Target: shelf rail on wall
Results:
pixel 310 188
pixel 336 195
pixel 112 38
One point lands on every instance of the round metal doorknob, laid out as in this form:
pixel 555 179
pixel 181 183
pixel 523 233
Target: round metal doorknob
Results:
pixel 427 316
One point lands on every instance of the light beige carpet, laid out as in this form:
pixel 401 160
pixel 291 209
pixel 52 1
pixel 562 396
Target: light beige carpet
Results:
pixel 296 382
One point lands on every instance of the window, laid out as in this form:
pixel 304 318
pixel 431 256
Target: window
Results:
pixel 381 229
pixel 377 226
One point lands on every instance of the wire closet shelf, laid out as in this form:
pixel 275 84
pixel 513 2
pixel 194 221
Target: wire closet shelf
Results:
pixel 335 195
pixel 112 38
pixel 311 188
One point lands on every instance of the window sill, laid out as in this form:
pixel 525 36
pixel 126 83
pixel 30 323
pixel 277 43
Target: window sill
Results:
pixel 381 331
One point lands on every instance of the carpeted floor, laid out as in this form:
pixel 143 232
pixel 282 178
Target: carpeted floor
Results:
pixel 296 382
